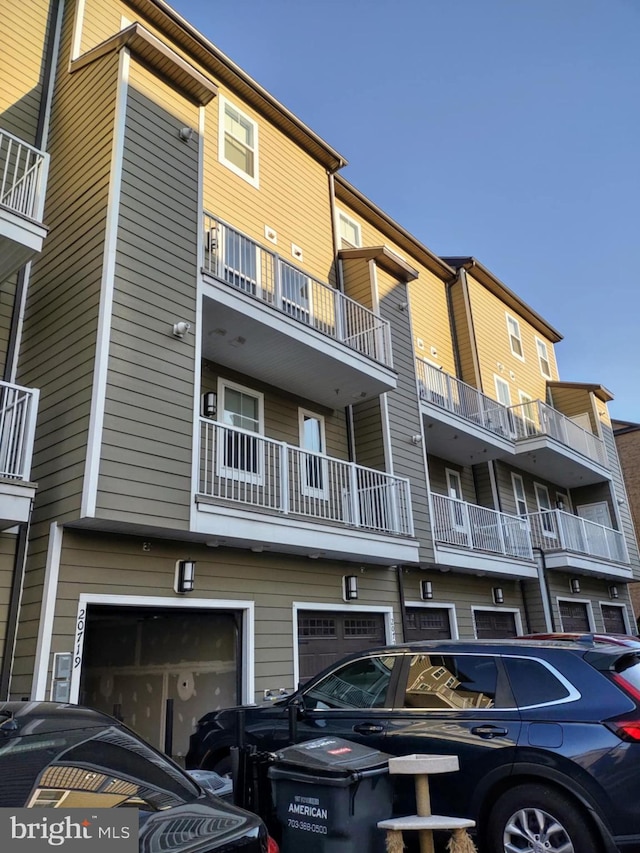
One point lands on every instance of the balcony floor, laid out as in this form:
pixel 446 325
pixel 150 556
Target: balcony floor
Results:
pixel 20 240
pixel 551 460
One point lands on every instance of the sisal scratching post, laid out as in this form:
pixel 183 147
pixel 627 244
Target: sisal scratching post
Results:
pixel 423 804
pixel 395 844
pixel 460 842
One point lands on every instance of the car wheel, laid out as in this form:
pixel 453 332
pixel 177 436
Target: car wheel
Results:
pixel 538 819
pixel 222 766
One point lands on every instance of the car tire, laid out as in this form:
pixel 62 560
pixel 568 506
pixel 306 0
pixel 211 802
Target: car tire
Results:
pixel 222 766
pixel 531 818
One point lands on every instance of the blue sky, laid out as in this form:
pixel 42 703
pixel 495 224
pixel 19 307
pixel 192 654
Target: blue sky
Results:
pixel 504 129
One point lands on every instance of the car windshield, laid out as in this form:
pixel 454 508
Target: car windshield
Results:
pixel 104 768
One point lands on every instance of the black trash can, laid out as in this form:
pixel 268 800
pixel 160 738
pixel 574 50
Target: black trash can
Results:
pixel 329 795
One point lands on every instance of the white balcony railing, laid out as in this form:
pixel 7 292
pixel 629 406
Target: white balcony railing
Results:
pixel 467 525
pixel 554 530
pixel 18 410
pixel 537 418
pixel 244 467
pixel 23 176
pixel 449 393
pixel 246 265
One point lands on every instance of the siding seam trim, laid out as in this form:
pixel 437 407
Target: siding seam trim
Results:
pixel 78 24
pixel 47 613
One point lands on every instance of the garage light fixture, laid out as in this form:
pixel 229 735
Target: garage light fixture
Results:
pixel 185 576
pixel 613 591
pixel 350 587
pixel 426 590
pixel 498 595
pixel 574 585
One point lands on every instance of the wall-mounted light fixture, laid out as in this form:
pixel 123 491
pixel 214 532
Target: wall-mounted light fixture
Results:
pixel 560 504
pixel 426 590
pixel 350 587
pixel 209 404
pixel 402 306
pixel 498 595
pixel 181 329
pixel 613 591
pixel 186 134
pixel 416 439
pixel 574 585
pixel 185 576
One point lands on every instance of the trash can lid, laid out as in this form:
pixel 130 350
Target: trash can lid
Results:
pixel 332 755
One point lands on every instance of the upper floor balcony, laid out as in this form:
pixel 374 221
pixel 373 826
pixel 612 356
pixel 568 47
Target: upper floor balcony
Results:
pixel 480 539
pixel 468 427
pixel 267 318
pixel 572 542
pixel 18 410
pixel 262 493
pixel 23 181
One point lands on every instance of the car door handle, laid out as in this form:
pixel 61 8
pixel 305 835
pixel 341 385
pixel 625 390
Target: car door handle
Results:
pixel 368 729
pixel 488 732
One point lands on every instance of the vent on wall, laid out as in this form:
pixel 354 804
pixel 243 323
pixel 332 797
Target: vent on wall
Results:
pixel 296 251
pixel 271 234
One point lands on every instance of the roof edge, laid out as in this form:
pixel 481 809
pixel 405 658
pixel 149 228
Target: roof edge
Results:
pixel 600 391
pixel 385 258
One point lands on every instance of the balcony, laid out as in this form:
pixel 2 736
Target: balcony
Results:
pixel 267 318
pixel 23 180
pixel 18 409
pixel 464 425
pixel 480 539
pixel 572 542
pixel 554 447
pixel 257 492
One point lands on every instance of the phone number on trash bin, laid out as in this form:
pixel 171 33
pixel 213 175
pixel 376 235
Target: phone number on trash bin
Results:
pixel 307 827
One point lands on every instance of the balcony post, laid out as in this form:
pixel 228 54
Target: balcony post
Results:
pixel 353 494
pixel 503 544
pixel 284 478
pixel 338 311
pixel 449 398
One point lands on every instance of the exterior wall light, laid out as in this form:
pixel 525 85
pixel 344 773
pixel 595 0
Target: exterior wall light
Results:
pixel 613 591
pixel 350 587
pixel 185 576
pixel 498 595
pixel 574 585
pixel 209 404
pixel 426 590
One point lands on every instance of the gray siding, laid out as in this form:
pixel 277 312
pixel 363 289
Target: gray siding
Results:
pixel 368 434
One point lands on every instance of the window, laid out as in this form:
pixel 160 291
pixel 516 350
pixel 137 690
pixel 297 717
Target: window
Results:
pixel 238 142
pixel 313 468
pixel 533 683
pixel 502 391
pixel 454 490
pixel 528 411
pixel 359 684
pixel 470 682
pixel 519 494
pixel 349 232
pixel 543 358
pixel 515 340
pixel 545 509
pixel 239 452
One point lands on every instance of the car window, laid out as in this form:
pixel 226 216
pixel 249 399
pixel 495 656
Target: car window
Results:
pixel 451 681
pixel 359 684
pixel 102 768
pixel 533 683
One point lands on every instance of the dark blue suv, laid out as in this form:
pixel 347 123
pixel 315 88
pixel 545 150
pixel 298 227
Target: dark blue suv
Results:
pixel 547 734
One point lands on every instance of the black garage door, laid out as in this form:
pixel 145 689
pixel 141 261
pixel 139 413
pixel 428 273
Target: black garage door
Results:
pixel 427 623
pixel 495 624
pixel 575 617
pixel 326 636
pixel 613 619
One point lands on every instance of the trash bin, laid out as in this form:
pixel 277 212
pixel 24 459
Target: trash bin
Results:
pixel 329 795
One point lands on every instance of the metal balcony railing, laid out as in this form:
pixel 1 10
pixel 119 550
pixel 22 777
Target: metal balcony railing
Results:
pixel 537 418
pixel 246 468
pixel 18 410
pixel 23 176
pixel 554 530
pixel 467 525
pixel 244 264
pixel 455 396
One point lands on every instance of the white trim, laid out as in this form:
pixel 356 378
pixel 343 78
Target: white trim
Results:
pixel 517 336
pixel 78 22
pixel 98 391
pixel 625 614
pixel 515 476
pixel 248 629
pixel 497 381
pixel 340 216
pixel 47 613
pixel 573 600
pixel 494 609
pixel 540 342
pixel 254 179
pixel 441 605
pixel 552 533
pixel 308 489
pixel 297 606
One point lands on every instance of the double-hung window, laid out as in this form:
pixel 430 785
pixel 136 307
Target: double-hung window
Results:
pixel 349 232
pixel 238 142
pixel 545 509
pixel 515 339
pixel 543 358
pixel 240 450
pixel 519 494
pixel 313 466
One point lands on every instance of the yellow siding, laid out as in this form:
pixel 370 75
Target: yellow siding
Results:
pixel 102 18
pixel 22 47
pixel 494 351
pixel 463 335
pixel 575 401
pixel 356 276
pixel 292 198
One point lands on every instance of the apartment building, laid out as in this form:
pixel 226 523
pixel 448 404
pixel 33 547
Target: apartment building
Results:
pixel 627 438
pixel 273 427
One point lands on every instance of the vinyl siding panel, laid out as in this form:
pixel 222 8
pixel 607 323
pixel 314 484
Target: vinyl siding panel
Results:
pixel 7 558
pixel 150 393
pixel 30 613
pixel 23 40
pixel 101 19
pixel 573 402
pixel 463 334
pixel 438 478
pixel 369 434
pixel 292 197
pixel 59 340
pixel 356 275
pixel 7 297
pixel 494 351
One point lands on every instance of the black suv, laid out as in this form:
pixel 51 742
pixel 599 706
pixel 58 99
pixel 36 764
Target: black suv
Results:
pixel 547 734
pixel 68 756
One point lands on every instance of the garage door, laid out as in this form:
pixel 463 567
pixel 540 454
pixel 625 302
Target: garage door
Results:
pixel 495 624
pixel 427 623
pixel 575 617
pixel 613 618
pixel 327 636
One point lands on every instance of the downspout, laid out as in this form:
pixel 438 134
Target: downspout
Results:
pixel 403 606
pixel 15 600
pixel 547 606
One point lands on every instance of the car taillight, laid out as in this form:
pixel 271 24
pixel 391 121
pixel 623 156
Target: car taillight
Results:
pixel 272 847
pixel 626 729
pixel 629 688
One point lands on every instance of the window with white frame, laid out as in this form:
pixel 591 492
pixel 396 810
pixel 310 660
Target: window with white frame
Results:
pixel 515 339
pixel 238 142
pixel 543 358
pixel 313 467
pixel 545 509
pixel 503 392
pixel 454 490
pixel 349 232
pixel 528 409
pixel 239 451
pixel 519 494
